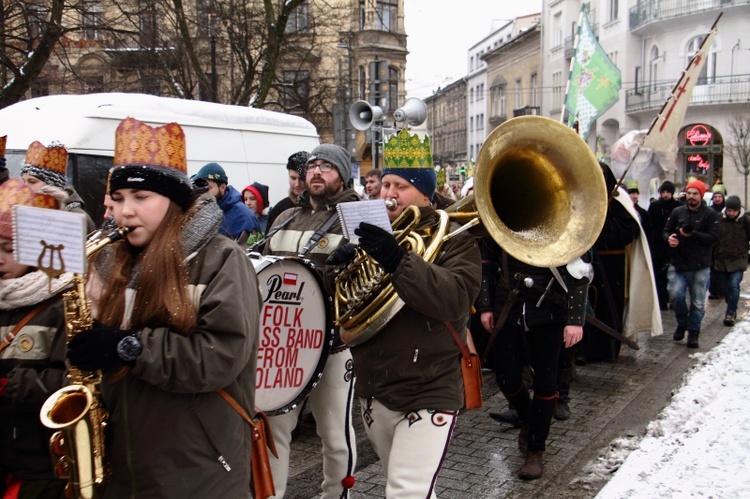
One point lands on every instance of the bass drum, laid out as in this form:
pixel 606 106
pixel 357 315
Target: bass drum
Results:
pixel 296 332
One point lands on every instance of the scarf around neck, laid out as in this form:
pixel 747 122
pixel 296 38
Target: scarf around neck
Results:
pixel 31 289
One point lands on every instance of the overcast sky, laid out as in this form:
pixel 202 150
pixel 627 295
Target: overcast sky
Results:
pixel 440 33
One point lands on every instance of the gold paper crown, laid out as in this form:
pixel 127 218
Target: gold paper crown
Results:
pixel 407 151
pixel 16 192
pixel 3 141
pixel 53 158
pixel 137 143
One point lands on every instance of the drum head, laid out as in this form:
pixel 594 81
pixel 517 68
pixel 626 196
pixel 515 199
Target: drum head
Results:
pixel 296 332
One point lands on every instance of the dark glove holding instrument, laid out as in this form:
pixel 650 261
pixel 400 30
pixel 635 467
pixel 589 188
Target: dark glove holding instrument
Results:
pixel 102 347
pixel 380 245
pixel 342 255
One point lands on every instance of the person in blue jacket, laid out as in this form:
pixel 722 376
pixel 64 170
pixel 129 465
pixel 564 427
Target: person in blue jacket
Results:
pixel 238 218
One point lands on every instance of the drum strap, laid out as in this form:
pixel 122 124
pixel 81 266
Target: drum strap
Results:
pixel 272 232
pixel 318 234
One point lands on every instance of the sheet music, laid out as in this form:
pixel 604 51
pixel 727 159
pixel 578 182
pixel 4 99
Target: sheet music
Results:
pixel 355 212
pixel 59 237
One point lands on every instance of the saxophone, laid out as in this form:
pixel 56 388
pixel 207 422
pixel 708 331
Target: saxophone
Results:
pixel 74 411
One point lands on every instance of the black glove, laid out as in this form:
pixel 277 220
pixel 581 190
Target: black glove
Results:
pixel 342 255
pixel 96 348
pixel 380 245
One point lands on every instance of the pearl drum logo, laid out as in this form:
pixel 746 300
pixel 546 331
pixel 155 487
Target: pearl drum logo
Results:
pixel 294 333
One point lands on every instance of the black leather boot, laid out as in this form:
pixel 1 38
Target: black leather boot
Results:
pixel 679 333
pixel 692 341
pixel 509 417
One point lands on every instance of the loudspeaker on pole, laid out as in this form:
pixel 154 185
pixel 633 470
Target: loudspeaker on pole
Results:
pixel 413 112
pixel 362 115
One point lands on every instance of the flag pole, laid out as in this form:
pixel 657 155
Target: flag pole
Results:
pixel 661 114
pixel 572 62
pixel 676 86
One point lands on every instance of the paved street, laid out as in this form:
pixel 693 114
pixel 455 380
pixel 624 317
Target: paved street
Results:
pixel 609 400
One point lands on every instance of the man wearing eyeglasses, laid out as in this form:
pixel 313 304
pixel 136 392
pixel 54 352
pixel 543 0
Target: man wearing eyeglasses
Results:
pixel 312 230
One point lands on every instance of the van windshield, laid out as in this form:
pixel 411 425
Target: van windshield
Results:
pixel 87 174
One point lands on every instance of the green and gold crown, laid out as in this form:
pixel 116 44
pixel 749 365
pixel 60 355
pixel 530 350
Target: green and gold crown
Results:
pixel 440 177
pixel 407 151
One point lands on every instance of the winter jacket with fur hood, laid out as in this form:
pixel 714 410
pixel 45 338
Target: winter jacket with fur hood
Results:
pixel 172 435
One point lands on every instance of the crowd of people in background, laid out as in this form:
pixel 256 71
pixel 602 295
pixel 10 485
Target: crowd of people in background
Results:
pixel 177 305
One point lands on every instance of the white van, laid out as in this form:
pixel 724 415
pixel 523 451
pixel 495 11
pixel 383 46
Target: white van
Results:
pixel 251 144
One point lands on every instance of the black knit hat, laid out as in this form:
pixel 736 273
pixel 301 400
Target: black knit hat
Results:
pixel 298 162
pixel 733 203
pixel 667 186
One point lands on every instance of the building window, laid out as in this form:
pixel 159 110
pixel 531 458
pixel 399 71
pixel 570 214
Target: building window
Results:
pixel 299 19
pixel 151 84
pixel 392 88
pixel 708 73
pixel 471 95
pixel 480 92
pixel 653 74
pixel 362 83
pixel 613 57
pixel 148 32
pixel 471 124
pixel 39 87
pixel 557 90
pixel 614 10
pixel 518 99
pixel 498 102
pixel 37 18
pixel 480 121
pixel 93 20
pixel 557 30
pixel 387 11
pixel 534 90
pixel 203 13
pixel 296 90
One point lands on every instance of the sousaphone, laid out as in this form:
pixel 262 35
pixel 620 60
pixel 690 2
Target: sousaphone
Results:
pixel 539 193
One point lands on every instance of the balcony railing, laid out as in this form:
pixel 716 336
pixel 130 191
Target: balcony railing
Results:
pixel 649 11
pixel 568 43
pixel 721 90
pixel 526 111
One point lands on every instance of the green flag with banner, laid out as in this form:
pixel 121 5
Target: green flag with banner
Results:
pixel 594 81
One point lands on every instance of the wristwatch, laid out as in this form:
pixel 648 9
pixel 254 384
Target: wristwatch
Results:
pixel 129 348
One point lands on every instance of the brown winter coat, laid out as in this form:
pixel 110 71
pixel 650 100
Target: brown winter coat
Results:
pixel 33 366
pixel 173 435
pixel 730 254
pixel 413 363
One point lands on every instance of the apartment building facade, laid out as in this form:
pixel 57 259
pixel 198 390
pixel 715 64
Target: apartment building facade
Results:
pixel 214 50
pixel 652 42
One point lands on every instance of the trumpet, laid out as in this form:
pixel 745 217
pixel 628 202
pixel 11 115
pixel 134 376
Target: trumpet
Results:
pixel 74 411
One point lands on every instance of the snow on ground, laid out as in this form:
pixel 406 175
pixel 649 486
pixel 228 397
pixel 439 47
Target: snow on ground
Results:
pixel 699 446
